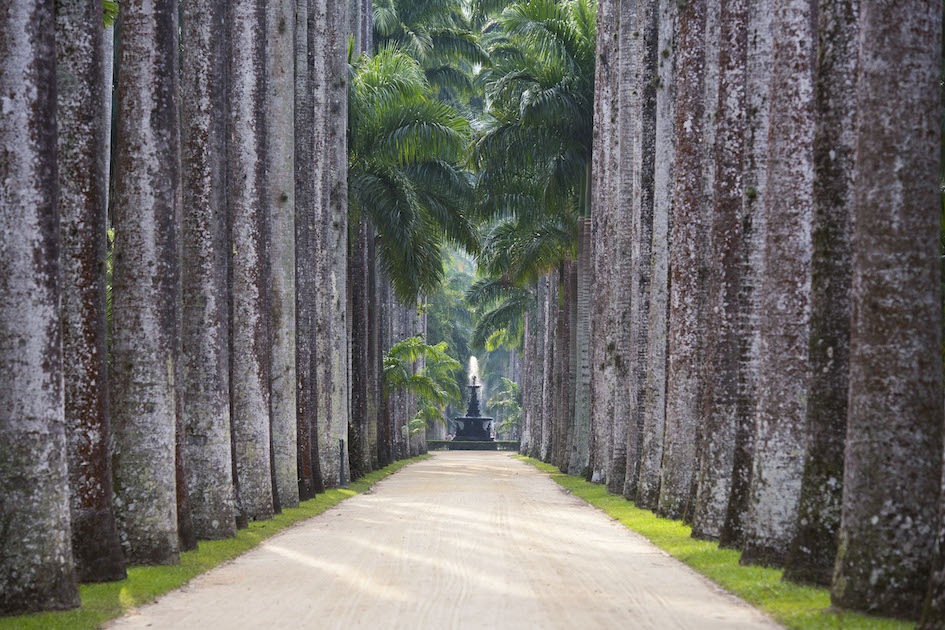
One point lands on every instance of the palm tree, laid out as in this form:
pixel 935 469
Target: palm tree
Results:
pixel 532 159
pixel 437 34
pixel 893 457
pixel 249 300
pixel 144 338
pixel 205 383
pixel 280 170
pixel 433 384
pixel 36 569
pixel 780 420
pixel 405 151
pixel 83 186
pixel 507 403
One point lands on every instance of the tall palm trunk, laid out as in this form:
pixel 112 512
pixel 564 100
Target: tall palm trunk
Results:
pixel 357 295
pixel 603 178
pixel 893 459
pixel 331 332
pixel 685 370
pixel 626 105
pixel 645 78
pixel 248 194
pixel 751 261
pixel 580 452
pixel 780 438
pixel 281 176
pixel 83 184
pixel 723 280
pixel 205 385
pixel 814 548
pixel 548 375
pixel 305 169
pixel 654 394
pixel 538 375
pixel 144 343
pixel 36 567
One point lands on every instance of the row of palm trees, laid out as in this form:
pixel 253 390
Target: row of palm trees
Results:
pixel 723 257
pixel 278 197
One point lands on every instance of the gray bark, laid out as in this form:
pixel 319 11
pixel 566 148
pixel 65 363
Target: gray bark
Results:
pixel 751 260
pixel 205 385
pixel 684 377
pixel 548 371
pixel 646 77
pixel 654 395
pixel 603 177
pixel 36 569
pixel 814 548
pixel 893 459
pixel 723 280
pixel 933 613
pixel 83 184
pixel 305 178
pixel 330 328
pixel 538 374
pixel 280 157
pixel 627 99
pixel 249 293
pixel 580 451
pixel 144 342
pixel 780 440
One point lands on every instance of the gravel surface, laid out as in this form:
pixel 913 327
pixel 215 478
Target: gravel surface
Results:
pixel 462 540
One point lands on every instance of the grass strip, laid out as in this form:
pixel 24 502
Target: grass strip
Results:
pixel 103 602
pixel 795 606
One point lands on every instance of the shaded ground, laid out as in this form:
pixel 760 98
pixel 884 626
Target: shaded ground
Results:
pixel 463 540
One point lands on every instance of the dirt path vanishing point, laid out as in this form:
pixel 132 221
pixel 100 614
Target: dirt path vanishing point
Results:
pixel 463 540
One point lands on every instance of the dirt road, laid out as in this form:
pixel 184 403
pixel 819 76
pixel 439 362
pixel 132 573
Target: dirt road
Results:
pixel 463 540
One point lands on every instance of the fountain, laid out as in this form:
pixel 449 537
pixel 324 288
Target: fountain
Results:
pixel 473 427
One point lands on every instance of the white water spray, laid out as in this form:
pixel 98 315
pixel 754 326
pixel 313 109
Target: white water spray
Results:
pixel 474 371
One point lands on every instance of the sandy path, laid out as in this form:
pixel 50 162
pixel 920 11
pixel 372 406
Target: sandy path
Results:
pixel 464 540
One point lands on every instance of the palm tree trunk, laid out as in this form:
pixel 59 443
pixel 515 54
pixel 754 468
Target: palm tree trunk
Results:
pixel 723 280
pixel 548 378
pixel 603 170
pixel 626 104
pixel 372 369
pixel 645 77
pixel 580 453
pixel 814 548
pixel 357 289
pixel 248 193
pixel 538 375
pixel 83 193
pixel 205 386
pixel 305 169
pixel 654 394
pixel 331 332
pixel 778 463
pixel 893 459
pixel 751 260
pixel 36 566
pixel 685 368
pixel 280 156
pixel 144 341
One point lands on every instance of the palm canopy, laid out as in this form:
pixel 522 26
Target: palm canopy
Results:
pixel 404 172
pixel 434 383
pixel 532 155
pixel 436 33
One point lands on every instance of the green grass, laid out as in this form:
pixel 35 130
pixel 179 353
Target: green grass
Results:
pixel 102 602
pixel 800 607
